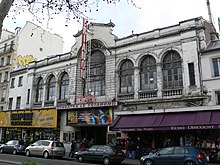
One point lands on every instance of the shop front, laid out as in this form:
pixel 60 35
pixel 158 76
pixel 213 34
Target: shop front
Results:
pixel 29 125
pixel 90 121
pixel 195 128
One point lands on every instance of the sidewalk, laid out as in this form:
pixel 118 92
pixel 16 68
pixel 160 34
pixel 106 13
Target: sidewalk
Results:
pixel 131 161
pixel 126 161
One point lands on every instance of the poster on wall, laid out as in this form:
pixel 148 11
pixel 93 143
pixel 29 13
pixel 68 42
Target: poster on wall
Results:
pixel 100 116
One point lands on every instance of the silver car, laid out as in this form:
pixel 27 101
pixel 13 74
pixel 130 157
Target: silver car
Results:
pixel 46 148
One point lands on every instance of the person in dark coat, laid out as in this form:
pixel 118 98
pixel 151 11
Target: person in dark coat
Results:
pixel 73 148
pixel 140 145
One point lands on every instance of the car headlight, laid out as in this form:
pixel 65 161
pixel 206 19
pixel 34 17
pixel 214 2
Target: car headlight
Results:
pixel 143 157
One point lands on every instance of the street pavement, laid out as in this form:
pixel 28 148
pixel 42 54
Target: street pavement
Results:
pixel 126 161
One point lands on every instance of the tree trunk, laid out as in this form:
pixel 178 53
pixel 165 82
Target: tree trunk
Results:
pixel 5 5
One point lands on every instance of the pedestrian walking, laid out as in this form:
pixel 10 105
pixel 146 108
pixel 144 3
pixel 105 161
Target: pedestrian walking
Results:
pixel 73 148
pixel 133 150
pixel 139 150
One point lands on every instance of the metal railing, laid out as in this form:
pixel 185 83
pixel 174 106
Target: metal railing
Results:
pixel 7 47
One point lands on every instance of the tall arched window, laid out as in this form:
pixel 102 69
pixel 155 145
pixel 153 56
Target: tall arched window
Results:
pixel 64 87
pixel 148 74
pixel 126 77
pixel 51 89
pixel 40 90
pixel 96 77
pixel 172 70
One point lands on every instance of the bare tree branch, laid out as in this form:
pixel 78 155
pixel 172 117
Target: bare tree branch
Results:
pixel 4 8
pixel 73 9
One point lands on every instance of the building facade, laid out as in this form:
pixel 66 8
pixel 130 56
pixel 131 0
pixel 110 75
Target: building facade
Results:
pixel 159 86
pixel 148 85
pixel 17 50
pixel 210 60
pixel 21 47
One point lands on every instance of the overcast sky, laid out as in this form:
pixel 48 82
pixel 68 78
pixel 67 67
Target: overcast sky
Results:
pixel 151 15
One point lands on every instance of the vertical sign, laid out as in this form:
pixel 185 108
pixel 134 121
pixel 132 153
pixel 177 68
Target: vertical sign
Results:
pixel 83 50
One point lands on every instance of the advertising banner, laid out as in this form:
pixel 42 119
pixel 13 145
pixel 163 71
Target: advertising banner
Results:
pixel 30 118
pixel 100 116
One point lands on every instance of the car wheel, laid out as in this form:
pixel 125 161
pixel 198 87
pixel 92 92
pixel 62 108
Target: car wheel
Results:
pixel 148 162
pixel 190 163
pixel 46 155
pixel 28 153
pixel 80 159
pixel 1 150
pixel 106 161
pixel 14 152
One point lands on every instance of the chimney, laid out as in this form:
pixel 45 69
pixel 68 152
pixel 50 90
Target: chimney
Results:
pixel 209 11
pixel 219 23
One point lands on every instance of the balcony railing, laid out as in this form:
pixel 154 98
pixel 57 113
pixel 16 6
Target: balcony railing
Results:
pixel 147 94
pixel 128 96
pixel 172 92
pixel 7 48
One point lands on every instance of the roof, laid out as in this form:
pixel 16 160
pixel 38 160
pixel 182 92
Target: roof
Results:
pixel 212 46
pixel 110 24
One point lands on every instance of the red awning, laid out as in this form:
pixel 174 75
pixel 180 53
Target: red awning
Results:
pixel 168 121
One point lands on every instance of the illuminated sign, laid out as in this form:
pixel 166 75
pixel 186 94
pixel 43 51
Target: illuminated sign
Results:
pixel 24 61
pixel 98 116
pixel 83 50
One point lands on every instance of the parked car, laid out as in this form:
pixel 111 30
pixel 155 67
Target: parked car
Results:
pixel 46 148
pixel 179 155
pixel 101 153
pixel 13 146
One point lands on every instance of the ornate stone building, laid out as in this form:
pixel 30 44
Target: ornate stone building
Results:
pixel 146 84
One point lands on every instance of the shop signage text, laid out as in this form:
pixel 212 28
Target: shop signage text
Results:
pixel 21 119
pixel 29 118
pixel 88 105
pixel 189 127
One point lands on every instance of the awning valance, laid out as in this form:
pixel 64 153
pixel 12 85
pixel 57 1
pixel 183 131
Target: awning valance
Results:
pixel 168 121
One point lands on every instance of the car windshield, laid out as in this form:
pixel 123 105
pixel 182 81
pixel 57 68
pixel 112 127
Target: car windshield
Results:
pixel 93 148
pixel 166 151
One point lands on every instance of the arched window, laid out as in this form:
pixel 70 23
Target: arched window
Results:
pixel 148 74
pixel 126 77
pixel 96 77
pixel 172 70
pixel 40 90
pixel 51 89
pixel 64 87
